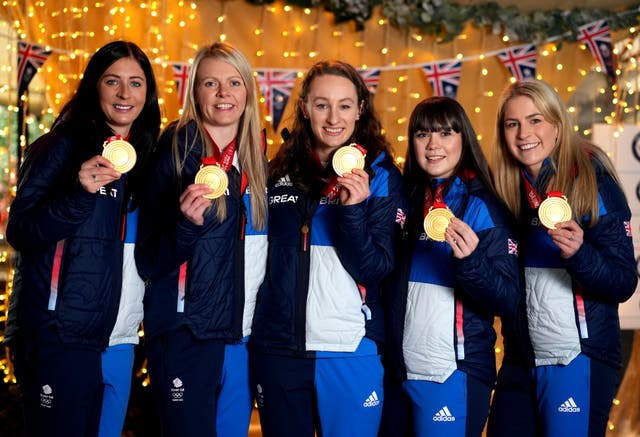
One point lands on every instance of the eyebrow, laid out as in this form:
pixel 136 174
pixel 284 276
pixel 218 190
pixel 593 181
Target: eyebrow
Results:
pixel 118 76
pixel 220 79
pixel 346 99
pixel 535 114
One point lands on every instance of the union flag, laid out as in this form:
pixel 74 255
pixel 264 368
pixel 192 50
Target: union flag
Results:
pixel 275 86
pixel 180 77
pixel 371 77
pixel 520 60
pixel 30 58
pixel 444 77
pixel 597 37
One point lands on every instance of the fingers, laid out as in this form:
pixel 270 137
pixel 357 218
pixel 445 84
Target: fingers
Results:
pixel 96 173
pixel 192 203
pixel 462 239
pixel 356 185
pixel 568 236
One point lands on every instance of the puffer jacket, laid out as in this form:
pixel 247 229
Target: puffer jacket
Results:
pixel 441 309
pixel 572 304
pixel 68 271
pixel 202 277
pixel 326 262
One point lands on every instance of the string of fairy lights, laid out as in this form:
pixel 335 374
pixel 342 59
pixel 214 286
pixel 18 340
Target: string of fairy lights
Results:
pixel 274 35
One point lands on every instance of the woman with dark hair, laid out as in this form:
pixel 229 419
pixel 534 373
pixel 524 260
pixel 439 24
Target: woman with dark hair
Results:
pixel 332 226
pixel 560 370
pixel 77 298
pixel 457 268
pixel 203 247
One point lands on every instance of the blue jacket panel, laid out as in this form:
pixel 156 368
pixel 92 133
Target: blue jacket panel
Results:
pixel 441 309
pixel 195 275
pixel 68 269
pixel 583 291
pixel 323 259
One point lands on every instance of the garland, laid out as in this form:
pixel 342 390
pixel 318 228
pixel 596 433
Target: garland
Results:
pixel 446 20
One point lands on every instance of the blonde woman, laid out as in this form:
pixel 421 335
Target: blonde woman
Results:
pixel 559 373
pixel 202 250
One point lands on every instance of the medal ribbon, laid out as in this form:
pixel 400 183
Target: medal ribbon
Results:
pixel 433 199
pixel 532 195
pixel 360 148
pixel 332 187
pixel 224 160
pixel 117 137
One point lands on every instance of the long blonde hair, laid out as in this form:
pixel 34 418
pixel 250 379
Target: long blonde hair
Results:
pixel 572 157
pixel 249 138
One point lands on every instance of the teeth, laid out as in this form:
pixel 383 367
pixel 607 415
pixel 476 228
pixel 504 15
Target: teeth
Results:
pixel 224 106
pixel 333 130
pixel 528 146
pixel 123 107
pixel 435 158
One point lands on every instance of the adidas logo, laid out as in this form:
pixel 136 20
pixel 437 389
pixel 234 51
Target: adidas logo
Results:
pixel 372 400
pixel 284 182
pixel 444 415
pixel 569 406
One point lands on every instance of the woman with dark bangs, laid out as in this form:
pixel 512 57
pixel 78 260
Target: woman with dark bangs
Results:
pixel 457 268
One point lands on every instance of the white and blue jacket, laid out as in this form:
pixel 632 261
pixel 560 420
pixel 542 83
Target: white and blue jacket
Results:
pixel 69 244
pixel 441 309
pixel 572 304
pixel 326 262
pixel 204 278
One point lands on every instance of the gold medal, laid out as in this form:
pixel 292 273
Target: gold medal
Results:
pixel 554 210
pixel 346 159
pixel 215 177
pixel 436 223
pixel 121 154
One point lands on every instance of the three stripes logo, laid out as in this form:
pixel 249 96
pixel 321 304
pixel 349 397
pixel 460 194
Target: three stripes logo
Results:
pixel 444 415
pixel 372 400
pixel 569 406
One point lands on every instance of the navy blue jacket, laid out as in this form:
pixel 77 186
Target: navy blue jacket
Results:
pixel 575 301
pixel 68 270
pixel 195 275
pixel 326 262
pixel 452 302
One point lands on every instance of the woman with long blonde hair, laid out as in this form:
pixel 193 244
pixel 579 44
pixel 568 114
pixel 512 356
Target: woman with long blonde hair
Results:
pixel 202 249
pixel 559 373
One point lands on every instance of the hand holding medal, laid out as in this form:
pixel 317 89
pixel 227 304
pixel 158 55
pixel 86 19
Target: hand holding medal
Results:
pixel 436 222
pixel 120 153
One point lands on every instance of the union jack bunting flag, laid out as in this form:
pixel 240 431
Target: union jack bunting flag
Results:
pixel 597 37
pixel 520 60
pixel 512 247
pixel 627 229
pixel 30 58
pixel 444 77
pixel 401 217
pixel 276 86
pixel 371 77
pixel 180 76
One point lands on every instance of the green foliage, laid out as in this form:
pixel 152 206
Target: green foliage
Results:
pixel 446 20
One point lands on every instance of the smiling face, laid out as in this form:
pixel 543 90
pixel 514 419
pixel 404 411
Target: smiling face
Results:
pixel 122 91
pixel 529 136
pixel 221 94
pixel 437 153
pixel 332 108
